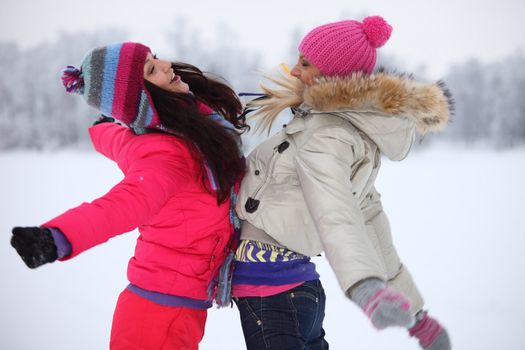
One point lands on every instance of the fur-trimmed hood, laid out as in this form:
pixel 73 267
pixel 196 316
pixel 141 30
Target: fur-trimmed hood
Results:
pixel 387 107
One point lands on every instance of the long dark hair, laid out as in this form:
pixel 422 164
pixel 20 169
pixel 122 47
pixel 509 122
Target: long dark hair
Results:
pixel 207 139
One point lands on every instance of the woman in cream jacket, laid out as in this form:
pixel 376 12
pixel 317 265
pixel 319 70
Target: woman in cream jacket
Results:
pixel 310 189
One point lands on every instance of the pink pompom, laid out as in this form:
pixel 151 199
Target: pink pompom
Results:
pixel 377 30
pixel 73 80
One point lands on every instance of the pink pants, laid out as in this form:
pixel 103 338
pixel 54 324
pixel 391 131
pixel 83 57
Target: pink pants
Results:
pixel 142 324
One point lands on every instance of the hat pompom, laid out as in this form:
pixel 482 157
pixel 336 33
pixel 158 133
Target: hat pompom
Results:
pixel 73 80
pixel 377 30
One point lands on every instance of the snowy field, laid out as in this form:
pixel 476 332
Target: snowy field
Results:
pixel 455 215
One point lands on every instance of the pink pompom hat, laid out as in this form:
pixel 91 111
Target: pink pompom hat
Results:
pixel 345 47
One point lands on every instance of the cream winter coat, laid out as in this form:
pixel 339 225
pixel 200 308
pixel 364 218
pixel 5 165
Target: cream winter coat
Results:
pixel 311 186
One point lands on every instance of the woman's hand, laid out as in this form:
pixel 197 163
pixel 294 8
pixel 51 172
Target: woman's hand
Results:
pixel 104 119
pixel 35 245
pixel 384 306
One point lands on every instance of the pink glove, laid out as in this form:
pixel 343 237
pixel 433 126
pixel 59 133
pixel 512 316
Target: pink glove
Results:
pixel 384 306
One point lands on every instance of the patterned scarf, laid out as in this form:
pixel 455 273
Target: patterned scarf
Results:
pixel 220 288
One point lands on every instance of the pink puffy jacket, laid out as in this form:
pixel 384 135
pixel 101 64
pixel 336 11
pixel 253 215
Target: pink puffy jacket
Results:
pixel 183 232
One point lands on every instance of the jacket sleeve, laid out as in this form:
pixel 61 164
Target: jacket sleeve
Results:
pixel 324 170
pixel 155 173
pixel 113 141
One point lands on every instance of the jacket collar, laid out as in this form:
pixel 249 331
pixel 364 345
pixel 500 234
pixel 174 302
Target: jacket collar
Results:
pixel 392 95
pixel 297 124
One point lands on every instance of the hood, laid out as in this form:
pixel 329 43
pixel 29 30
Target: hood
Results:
pixel 388 108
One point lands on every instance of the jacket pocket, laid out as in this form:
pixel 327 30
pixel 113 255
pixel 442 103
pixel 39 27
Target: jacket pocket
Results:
pixel 206 262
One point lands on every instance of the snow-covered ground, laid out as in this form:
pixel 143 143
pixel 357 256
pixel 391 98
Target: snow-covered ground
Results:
pixel 455 215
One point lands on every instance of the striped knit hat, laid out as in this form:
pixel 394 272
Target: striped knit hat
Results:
pixel 341 48
pixel 111 79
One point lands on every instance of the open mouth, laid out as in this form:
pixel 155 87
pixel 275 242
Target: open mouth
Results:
pixel 174 79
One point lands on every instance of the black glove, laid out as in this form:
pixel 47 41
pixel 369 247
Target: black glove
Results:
pixel 35 245
pixel 104 119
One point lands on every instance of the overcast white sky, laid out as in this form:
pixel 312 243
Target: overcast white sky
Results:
pixel 435 33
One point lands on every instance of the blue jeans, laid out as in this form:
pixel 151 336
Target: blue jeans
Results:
pixel 285 321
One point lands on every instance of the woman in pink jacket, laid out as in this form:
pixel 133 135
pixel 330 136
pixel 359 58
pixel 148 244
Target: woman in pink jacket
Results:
pixel 178 150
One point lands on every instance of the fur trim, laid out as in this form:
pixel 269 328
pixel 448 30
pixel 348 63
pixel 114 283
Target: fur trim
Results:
pixel 397 95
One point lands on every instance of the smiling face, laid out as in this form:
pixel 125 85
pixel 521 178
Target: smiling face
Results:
pixel 160 73
pixel 305 71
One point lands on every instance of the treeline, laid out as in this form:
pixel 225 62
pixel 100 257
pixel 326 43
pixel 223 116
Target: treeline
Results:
pixel 490 102
pixel 36 113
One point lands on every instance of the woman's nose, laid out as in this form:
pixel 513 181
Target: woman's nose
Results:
pixel 166 66
pixel 295 71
